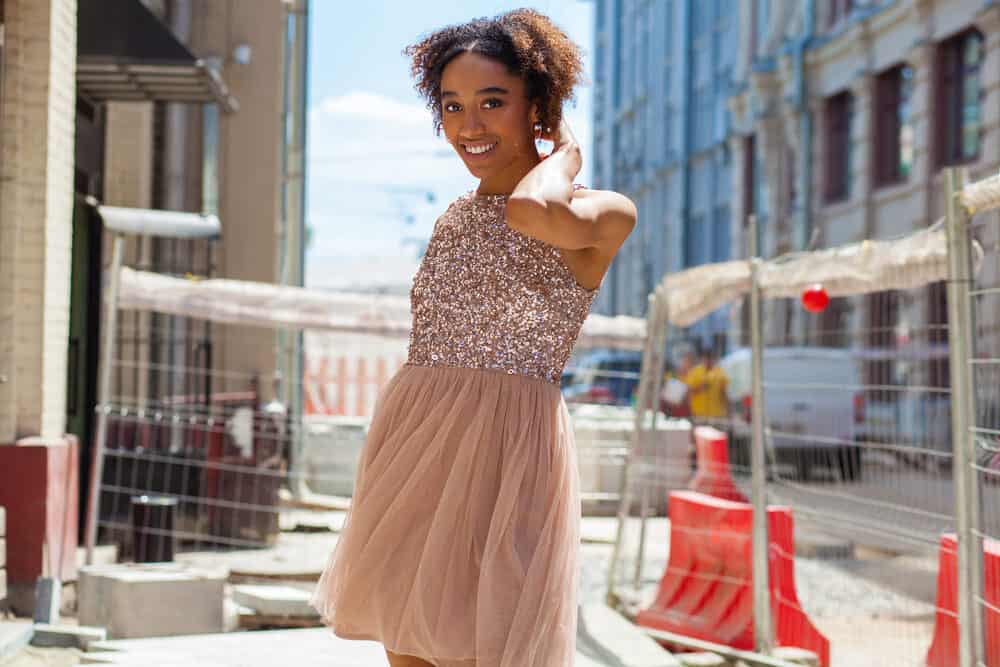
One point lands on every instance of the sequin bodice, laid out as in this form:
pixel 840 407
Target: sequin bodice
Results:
pixel 487 296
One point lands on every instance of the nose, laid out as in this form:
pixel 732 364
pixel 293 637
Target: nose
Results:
pixel 472 125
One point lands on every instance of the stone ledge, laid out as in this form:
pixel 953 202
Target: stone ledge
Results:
pixel 67 636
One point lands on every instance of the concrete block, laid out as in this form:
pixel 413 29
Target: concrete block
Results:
pixel 611 637
pixel 67 636
pixel 14 635
pixel 104 554
pixel 3 588
pixel 3 521
pixel 151 600
pixel 3 553
pixel 796 656
pixel 274 600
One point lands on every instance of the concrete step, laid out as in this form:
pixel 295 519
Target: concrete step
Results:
pixel 67 636
pixel 609 637
pixel 14 636
pixel 274 600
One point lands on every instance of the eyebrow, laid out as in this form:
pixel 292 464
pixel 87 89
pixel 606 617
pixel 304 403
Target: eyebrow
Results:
pixel 496 90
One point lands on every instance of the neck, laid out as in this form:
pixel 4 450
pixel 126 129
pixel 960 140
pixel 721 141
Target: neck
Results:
pixel 505 180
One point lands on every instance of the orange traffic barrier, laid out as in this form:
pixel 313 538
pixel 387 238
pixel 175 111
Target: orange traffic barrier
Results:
pixel 706 590
pixel 944 647
pixel 713 475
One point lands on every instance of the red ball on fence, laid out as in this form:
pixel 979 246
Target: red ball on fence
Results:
pixel 815 299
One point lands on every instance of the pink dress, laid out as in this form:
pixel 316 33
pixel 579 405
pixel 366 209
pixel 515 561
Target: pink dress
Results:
pixel 461 543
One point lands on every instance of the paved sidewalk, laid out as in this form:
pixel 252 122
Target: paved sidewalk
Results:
pixel 302 648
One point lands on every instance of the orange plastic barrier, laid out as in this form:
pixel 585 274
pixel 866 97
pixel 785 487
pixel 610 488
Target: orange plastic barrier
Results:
pixel 706 591
pixel 713 475
pixel 944 647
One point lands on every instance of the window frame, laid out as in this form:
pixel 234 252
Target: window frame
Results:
pixel 838 129
pixel 951 74
pixel 892 101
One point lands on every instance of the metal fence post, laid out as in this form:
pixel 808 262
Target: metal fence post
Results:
pixel 763 626
pixel 651 363
pixel 110 334
pixel 659 308
pixel 960 349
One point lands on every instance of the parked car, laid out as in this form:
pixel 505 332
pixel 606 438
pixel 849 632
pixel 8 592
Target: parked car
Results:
pixel 603 376
pixel 813 406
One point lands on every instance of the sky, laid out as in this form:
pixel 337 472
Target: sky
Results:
pixel 377 176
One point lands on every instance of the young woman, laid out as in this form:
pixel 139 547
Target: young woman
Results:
pixel 460 549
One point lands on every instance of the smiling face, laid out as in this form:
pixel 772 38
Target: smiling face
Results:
pixel 487 119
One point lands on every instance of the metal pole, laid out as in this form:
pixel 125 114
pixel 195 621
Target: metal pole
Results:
pixel 960 348
pixel 292 253
pixel 109 334
pixel 649 360
pixel 763 626
pixel 651 439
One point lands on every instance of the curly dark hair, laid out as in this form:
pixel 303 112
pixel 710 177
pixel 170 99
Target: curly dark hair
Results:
pixel 524 40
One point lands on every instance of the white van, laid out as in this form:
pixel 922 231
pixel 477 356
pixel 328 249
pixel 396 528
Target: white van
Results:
pixel 814 403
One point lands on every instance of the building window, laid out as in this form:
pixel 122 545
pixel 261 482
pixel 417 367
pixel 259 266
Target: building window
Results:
pixel 721 246
pixel 838 11
pixel 698 249
pixel 832 324
pixel 939 368
pixel 880 367
pixel 839 113
pixel 894 125
pixel 960 119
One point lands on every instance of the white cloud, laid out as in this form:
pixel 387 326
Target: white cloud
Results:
pixel 374 107
pixel 371 161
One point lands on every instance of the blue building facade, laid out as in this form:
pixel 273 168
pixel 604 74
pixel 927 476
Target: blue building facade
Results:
pixel 663 74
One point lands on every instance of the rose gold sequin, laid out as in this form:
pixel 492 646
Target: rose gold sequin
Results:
pixel 487 296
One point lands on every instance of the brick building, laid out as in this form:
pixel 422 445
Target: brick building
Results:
pixel 185 105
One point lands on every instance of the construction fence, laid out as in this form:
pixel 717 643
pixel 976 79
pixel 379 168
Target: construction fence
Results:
pixel 843 496
pixel 842 500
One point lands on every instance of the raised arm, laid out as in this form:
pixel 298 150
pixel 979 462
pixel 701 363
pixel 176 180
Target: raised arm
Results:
pixel 545 206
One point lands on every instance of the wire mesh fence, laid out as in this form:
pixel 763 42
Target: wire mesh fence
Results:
pixel 894 554
pixel 882 529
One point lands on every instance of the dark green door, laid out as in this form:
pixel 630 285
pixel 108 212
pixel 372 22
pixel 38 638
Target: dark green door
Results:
pixel 84 327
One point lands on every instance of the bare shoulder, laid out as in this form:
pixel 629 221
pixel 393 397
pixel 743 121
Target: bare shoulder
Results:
pixel 614 213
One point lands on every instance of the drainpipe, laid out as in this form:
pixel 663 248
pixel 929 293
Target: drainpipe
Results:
pixel 805 126
pixel 686 140
pixel 293 224
pixel 175 199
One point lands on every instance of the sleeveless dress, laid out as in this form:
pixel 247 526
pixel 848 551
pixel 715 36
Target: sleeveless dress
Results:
pixel 461 543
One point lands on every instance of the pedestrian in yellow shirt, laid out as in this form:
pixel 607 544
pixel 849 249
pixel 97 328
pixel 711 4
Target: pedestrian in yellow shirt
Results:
pixel 707 384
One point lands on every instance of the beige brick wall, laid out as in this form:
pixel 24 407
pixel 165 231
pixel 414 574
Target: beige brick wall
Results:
pixel 36 204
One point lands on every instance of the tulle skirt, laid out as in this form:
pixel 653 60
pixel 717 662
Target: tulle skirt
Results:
pixel 462 539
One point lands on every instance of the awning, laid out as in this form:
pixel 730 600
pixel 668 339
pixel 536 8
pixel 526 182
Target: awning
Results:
pixel 125 53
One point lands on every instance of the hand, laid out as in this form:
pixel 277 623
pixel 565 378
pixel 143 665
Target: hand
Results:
pixel 563 136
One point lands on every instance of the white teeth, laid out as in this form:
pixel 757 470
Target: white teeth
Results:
pixel 479 150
